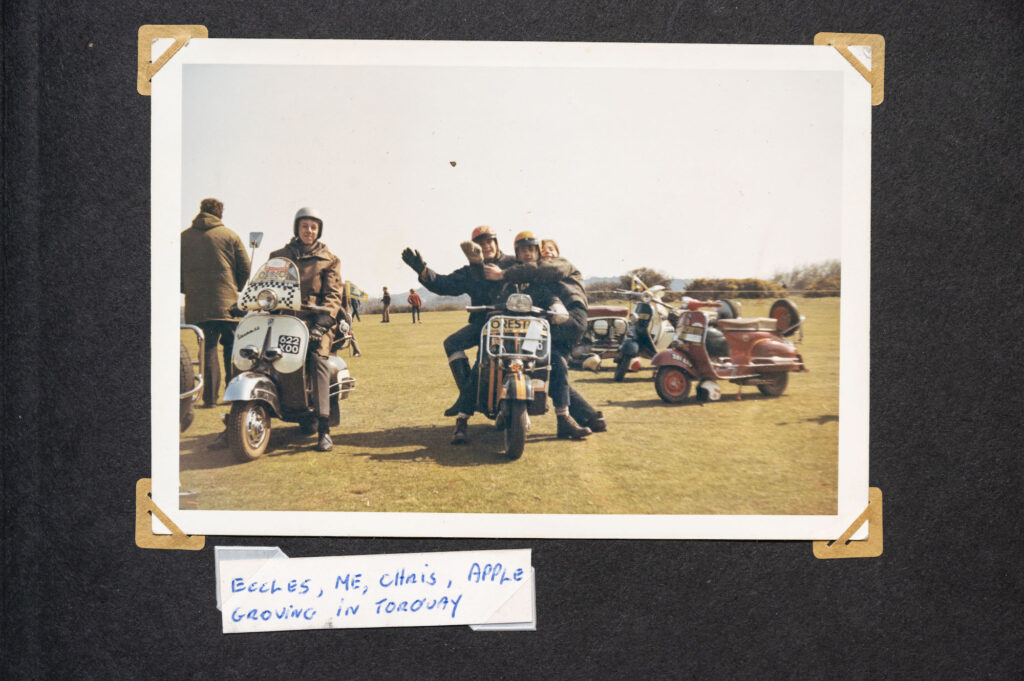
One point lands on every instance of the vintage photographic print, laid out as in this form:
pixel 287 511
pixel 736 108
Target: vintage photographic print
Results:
pixel 663 249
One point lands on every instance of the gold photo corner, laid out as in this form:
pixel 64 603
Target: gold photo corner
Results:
pixel 867 548
pixel 150 32
pixel 876 43
pixel 144 537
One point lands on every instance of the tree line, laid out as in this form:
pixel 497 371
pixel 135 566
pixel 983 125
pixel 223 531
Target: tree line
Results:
pixel 811 281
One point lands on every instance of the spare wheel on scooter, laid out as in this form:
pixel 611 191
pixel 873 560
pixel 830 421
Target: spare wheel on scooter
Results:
pixel 786 315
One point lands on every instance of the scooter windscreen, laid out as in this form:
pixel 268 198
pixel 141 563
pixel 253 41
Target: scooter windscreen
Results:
pixel 275 286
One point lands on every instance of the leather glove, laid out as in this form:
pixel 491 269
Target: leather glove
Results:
pixel 323 319
pixel 414 260
pixel 235 312
pixel 559 315
pixel 474 254
pixel 316 332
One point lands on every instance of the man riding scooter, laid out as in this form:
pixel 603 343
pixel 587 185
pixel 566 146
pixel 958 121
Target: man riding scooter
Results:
pixel 460 282
pixel 321 285
pixel 552 281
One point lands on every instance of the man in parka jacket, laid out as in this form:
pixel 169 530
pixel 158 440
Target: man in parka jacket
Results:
pixel 214 268
pixel 463 282
pixel 320 284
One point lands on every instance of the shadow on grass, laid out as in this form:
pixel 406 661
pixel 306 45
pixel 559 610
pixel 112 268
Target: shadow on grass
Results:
pixel 418 443
pixel 820 420
pixel 485 447
pixel 694 402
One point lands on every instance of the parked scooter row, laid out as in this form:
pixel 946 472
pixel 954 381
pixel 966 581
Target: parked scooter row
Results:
pixel 690 345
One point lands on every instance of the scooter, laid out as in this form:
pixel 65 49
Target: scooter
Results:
pixel 650 328
pixel 744 351
pixel 190 381
pixel 275 378
pixel 514 368
pixel 606 328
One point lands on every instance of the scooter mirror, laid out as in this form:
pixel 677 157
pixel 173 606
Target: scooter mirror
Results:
pixel 254 239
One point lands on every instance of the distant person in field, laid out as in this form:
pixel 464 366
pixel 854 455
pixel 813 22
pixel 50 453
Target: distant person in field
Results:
pixel 415 303
pixel 355 309
pixel 386 312
pixel 214 268
pixel 480 292
pixel 550 281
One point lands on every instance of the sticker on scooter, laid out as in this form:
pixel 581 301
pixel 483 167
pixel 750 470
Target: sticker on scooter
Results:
pixel 289 344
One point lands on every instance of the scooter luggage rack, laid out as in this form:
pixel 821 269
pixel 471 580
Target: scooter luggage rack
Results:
pixel 501 339
pixel 344 386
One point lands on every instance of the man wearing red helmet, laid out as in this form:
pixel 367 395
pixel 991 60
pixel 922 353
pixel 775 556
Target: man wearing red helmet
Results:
pixel 463 282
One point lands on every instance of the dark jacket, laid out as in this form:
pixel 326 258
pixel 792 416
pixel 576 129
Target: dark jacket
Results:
pixel 550 277
pixel 320 280
pixel 214 268
pixel 463 281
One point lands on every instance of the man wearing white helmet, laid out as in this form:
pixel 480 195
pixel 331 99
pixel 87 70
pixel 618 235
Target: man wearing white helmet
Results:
pixel 321 285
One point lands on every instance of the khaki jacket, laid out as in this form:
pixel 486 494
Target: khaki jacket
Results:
pixel 214 268
pixel 321 282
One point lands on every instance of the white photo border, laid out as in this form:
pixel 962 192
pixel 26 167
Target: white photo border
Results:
pixel 166 187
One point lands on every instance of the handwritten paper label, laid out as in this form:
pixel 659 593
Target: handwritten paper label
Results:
pixel 397 590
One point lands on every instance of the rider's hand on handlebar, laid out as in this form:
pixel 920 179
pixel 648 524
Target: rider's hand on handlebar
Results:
pixel 414 260
pixel 493 273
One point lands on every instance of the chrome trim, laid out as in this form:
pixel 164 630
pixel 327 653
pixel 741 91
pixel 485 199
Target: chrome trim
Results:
pixel 251 385
pixel 198 363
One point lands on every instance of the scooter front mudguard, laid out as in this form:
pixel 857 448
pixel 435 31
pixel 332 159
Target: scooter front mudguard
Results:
pixel 250 386
pixel 674 358
pixel 517 387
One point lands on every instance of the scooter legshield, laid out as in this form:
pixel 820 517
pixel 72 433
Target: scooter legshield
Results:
pixel 288 334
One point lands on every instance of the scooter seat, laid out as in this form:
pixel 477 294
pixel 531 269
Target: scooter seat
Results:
pixel 749 324
pixel 607 311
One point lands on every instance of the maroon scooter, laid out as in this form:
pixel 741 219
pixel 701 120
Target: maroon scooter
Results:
pixel 744 351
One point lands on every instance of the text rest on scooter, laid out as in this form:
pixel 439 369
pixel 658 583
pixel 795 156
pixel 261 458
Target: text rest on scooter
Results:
pixel 271 354
pixel 514 367
pixel 744 351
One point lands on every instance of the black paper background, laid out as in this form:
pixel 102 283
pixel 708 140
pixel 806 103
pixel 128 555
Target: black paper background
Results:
pixel 80 600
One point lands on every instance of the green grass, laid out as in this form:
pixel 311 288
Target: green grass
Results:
pixel 748 455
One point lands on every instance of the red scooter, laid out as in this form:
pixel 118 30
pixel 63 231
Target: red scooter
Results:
pixel 745 351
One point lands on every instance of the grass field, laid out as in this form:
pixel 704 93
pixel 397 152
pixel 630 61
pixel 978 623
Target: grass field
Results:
pixel 746 454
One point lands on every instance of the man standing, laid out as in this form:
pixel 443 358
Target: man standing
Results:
pixel 386 300
pixel 214 268
pixel 415 302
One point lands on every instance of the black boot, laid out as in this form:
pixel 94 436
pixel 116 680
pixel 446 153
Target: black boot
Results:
pixel 460 372
pixel 597 423
pixel 461 437
pixel 568 428
pixel 324 443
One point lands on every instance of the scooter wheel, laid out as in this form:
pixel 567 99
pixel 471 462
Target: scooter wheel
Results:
pixel 786 316
pixel 515 430
pixel 621 368
pixel 775 384
pixel 248 430
pixel 672 384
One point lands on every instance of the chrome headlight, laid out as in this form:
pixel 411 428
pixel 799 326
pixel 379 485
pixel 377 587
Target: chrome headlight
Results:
pixel 267 299
pixel 601 327
pixel 519 302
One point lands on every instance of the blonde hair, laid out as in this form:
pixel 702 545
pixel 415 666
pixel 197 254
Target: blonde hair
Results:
pixel 544 242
